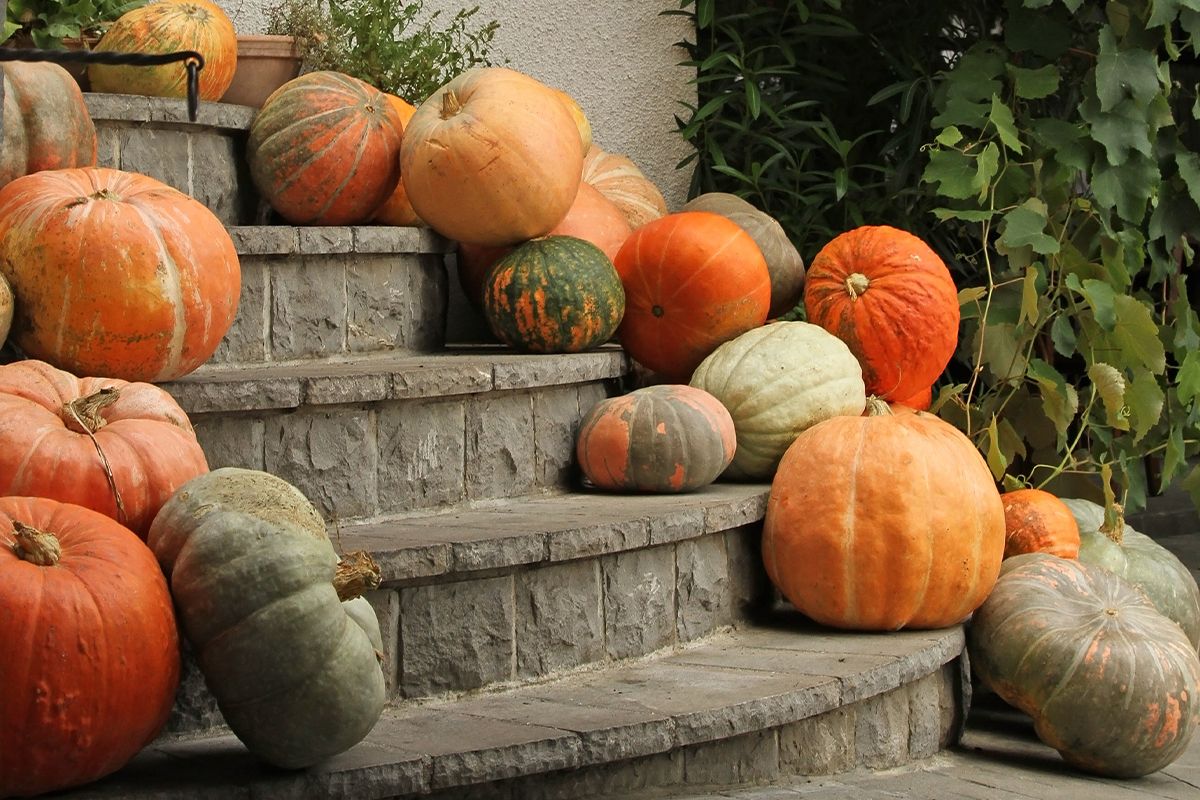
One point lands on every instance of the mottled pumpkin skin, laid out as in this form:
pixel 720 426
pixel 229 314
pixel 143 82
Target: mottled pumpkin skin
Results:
pixel 1110 683
pixel 777 381
pixel 1038 522
pixel 46 124
pixel 251 570
pixel 666 438
pixel 1143 562
pixel 396 210
pixel 619 179
pixel 90 656
pixel 693 281
pixel 6 308
pixel 884 522
pixel 921 401
pixel 581 120
pixel 168 27
pixel 887 295
pixel 116 273
pixel 557 294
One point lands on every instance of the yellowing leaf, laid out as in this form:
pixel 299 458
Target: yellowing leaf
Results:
pixel 997 463
pixel 1145 399
pixel 971 294
pixel 1029 297
pixel 1133 342
pixel 1058 400
pixel 1110 385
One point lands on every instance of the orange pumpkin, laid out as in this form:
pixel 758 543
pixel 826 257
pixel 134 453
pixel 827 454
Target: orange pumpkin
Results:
pixel 921 401
pixel 1038 522
pixel 884 522
pixel 115 273
pixel 891 299
pixel 167 27
pixel 46 124
pixel 692 282
pixel 396 210
pixel 91 654
pixel 619 179
pixel 492 158
pixel 324 150
pixel 581 120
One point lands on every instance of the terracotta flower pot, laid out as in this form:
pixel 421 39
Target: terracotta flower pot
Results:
pixel 264 64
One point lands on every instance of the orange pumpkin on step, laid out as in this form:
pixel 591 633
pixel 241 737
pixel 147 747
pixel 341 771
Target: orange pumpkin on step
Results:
pixel 1038 522
pixel 396 210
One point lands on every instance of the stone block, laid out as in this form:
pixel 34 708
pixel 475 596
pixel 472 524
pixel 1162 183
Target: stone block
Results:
pixel 702 587
pixel 881 730
pixel 580 538
pixel 214 175
pixel 386 239
pixel 743 760
pixel 639 601
pixel 161 154
pixel 386 603
pixel 381 314
pixel 197 396
pixel 325 240
pixel 127 107
pixel 108 146
pixel 592 393
pixel 555 422
pixel 265 240
pixel 559 618
pixel 954 699
pixel 330 456
pixel 308 307
pixel 230 441
pixel 246 339
pixel 750 588
pixel 421 452
pixel 820 745
pixel 439 380
pixel 516 372
pixel 499 445
pixel 924 716
pixel 631 779
pixel 737 512
pixel 428 304
pixel 195 708
pixel 456 636
pixel 674 526
pixel 430 241
pixel 328 390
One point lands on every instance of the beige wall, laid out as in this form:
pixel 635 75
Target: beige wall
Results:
pixel 616 58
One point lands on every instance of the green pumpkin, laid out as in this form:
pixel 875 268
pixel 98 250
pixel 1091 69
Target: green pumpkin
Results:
pixel 1143 562
pixel 555 294
pixel 251 570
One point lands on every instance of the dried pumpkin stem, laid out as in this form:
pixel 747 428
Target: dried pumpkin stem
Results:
pixel 451 105
pixel 85 413
pixel 35 546
pixel 877 407
pixel 356 573
pixel 856 285
pixel 1115 529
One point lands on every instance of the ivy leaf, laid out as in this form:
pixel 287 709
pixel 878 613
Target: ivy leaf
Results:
pixel 1029 297
pixel 1034 84
pixel 954 172
pixel 997 463
pixel 1025 225
pixel 1063 336
pixel 1100 297
pixel 1058 400
pixel 1121 73
pixel 1002 118
pixel 1127 187
pixel 1110 385
pixel 1188 379
pixel 1145 399
pixel 1135 337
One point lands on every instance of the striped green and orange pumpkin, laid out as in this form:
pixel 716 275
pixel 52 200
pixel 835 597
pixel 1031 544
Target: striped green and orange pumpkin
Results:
pixel 325 150
pixel 554 294
pixel 665 438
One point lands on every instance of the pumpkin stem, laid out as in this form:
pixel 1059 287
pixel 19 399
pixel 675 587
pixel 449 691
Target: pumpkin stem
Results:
pixel 82 414
pixel 35 546
pixel 1114 524
pixel 877 407
pixel 450 105
pixel 857 285
pixel 356 573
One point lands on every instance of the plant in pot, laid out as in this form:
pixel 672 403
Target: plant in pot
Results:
pixel 62 25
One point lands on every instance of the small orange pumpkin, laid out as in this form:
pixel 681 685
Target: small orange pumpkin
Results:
pixel 396 210
pixel 1038 522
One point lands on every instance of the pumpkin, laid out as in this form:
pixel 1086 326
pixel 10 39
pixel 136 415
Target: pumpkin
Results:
pixel 324 149
pixel 884 522
pixel 1110 683
pixel 168 27
pixel 619 179
pixel 1141 561
pixel 91 655
pixel 492 158
pixel 46 125
pixel 6 308
pixel 396 210
pixel 89 441
pixel 115 273
pixel 1038 522
pixel 252 573
pixel 921 401
pixel 887 295
pixel 692 282
pixel 556 294
pixel 666 438
pixel 777 381
pixel 783 260
pixel 581 120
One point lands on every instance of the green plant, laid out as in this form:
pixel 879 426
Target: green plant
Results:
pixel 46 23
pixel 394 46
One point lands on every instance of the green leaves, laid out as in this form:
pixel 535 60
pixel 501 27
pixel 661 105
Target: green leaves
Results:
pixel 1123 72
pixel 1026 225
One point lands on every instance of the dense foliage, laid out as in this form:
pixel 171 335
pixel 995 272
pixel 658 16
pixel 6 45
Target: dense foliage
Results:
pixel 45 23
pixel 1046 148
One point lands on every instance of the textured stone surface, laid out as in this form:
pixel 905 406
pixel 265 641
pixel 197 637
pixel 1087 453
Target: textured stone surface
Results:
pixel 230 441
pixel 390 306
pixel 386 603
pixel 820 745
pixel 500 438
pixel 639 601
pixel 262 240
pixel 161 154
pixel 421 454
pixel 559 618
pixel 925 714
pixel 139 108
pixel 881 730
pixel 329 456
pixel 246 339
pixel 195 708
pixel 517 372
pixel 198 396
pixel 747 759
pixel 702 587
pixel 214 175
pixel 108 146
pixel 325 240
pixel 385 239
pixel 308 307
pixel 555 422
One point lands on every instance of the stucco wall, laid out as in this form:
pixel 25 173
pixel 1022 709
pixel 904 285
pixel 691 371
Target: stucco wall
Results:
pixel 616 58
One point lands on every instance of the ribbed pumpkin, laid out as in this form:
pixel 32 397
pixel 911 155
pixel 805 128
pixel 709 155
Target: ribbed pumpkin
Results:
pixel 884 522
pixel 783 260
pixel 619 179
pixel 1038 522
pixel 46 125
pixel 325 149
pixel 1110 683
pixel 887 295
pixel 54 427
pixel 168 27
pixel 777 381
pixel 1142 562
pixel 396 210
pixel 115 273
pixel 581 120
pixel 692 282
pixel 6 308
pixel 556 294
pixel 252 573
pixel 90 656
pixel 492 158
pixel 666 438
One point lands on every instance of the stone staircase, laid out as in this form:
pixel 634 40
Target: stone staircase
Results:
pixel 540 640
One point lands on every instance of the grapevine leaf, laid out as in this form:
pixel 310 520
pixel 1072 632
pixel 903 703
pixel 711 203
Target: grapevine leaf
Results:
pixel 1063 336
pixel 945 395
pixel 974 77
pixel 1002 118
pixel 1187 324
pixel 1056 397
pixel 1122 73
pixel 1043 35
pixel 954 172
pixel 1000 353
pixel 971 295
pixel 1145 399
pixel 1029 297
pixel 1192 484
pixel 1100 297
pixel 1176 456
pixel 949 137
pixel 1190 20
pixel 995 459
pixel 1134 341
pixel 1165 11
pixel 1025 225
pixel 1034 84
pixel 962 112
pixel 986 168
pixel 1011 444
pixel 1056 133
pixel 1127 187
pixel 1189 170
pixel 1122 131
pixel 1110 385
pixel 1188 379
pixel 964 214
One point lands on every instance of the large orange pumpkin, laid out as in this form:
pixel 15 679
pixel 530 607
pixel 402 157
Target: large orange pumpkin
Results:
pixel 91 655
pixel 888 296
pixel 142 439
pixel 884 522
pixel 168 27
pixel 115 273
pixel 492 158
pixel 396 210
pixel 692 281
pixel 46 124
pixel 620 180
pixel 325 149
pixel 581 120
pixel 1038 522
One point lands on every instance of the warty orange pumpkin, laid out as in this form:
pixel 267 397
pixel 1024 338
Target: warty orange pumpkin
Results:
pixel 1038 522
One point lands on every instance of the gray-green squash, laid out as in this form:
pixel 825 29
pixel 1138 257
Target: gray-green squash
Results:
pixel 251 571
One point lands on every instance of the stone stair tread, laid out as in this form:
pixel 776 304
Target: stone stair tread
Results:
pixel 548 529
pixel 751 679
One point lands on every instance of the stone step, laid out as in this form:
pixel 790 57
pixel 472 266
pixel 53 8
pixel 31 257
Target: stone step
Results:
pixel 752 706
